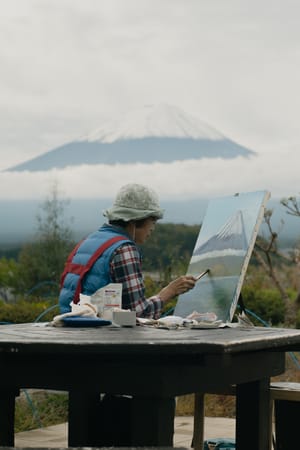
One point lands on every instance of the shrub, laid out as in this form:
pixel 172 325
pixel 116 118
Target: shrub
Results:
pixel 26 311
pixel 266 304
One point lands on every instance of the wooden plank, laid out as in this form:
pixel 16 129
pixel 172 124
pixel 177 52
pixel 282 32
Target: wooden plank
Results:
pixel 28 338
pixel 194 376
pixel 287 415
pixel 153 421
pixel 285 391
pixel 120 421
pixel 83 418
pixel 253 418
pixel 199 417
pixel 7 413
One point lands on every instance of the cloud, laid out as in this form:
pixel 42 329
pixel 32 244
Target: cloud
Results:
pixel 67 64
pixel 179 180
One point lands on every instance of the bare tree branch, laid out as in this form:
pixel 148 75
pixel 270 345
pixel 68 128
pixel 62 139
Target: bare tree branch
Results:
pixel 264 251
pixel 292 205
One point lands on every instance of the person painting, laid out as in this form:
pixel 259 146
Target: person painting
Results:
pixel 131 220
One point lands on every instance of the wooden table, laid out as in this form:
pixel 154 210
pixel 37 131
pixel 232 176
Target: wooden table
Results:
pixel 153 365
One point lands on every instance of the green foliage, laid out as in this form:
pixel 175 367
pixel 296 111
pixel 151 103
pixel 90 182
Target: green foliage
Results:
pixel 298 319
pixel 38 262
pixel 152 287
pixel 26 311
pixel 167 254
pixel 8 269
pixel 265 303
pixel 169 249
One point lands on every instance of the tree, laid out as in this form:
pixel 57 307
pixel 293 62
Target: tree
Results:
pixel 8 268
pixel 169 249
pixel 266 251
pixel 41 262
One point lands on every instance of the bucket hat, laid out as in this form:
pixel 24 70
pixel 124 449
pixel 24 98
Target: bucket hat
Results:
pixel 134 202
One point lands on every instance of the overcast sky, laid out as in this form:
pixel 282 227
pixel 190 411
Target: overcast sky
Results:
pixel 68 64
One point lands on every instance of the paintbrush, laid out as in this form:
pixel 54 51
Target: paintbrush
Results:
pixel 202 274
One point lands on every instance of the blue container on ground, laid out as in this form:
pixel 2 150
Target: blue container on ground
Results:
pixel 219 444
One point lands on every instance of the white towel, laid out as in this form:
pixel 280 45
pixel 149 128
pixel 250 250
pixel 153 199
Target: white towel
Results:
pixel 83 308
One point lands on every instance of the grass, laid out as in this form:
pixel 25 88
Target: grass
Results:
pixel 37 409
pixel 215 405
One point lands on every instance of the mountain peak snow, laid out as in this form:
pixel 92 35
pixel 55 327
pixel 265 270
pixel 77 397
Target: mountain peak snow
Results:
pixel 153 121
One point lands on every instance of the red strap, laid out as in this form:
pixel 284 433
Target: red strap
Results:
pixel 68 262
pixel 82 269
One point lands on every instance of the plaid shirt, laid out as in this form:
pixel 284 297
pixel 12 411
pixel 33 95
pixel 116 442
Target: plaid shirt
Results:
pixel 125 268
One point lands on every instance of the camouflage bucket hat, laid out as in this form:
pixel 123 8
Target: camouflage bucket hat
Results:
pixel 134 202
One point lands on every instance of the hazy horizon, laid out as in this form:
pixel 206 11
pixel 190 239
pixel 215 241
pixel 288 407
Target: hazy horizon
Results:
pixel 84 215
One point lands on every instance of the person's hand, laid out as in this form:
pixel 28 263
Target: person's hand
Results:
pixel 176 287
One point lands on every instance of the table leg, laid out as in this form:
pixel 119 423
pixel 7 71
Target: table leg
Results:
pixel 7 416
pixel 83 412
pixel 152 421
pixel 199 413
pixel 94 423
pixel 253 416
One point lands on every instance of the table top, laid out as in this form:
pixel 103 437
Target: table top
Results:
pixel 38 338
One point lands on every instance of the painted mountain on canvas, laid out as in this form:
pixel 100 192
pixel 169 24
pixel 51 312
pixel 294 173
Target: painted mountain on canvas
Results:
pixel 161 133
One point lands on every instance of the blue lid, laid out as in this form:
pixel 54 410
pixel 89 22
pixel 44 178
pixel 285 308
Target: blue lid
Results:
pixel 79 321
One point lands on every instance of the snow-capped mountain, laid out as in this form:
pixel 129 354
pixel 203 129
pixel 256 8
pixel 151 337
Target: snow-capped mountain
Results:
pixel 160 133
pixel 153 121
pixel 231 239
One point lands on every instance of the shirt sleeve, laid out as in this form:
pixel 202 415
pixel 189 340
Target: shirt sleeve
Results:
pixel 125 268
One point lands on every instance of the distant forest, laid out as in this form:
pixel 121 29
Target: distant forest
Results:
pixel 169 248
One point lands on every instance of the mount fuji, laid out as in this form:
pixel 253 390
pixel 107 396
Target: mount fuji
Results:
pixel 161 133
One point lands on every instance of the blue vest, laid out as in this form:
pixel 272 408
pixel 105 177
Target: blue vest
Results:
pixel 99 274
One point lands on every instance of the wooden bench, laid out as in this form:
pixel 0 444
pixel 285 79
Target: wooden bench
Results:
pixel 285 403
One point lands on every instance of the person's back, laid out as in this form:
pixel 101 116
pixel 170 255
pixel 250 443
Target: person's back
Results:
pixel 132 217
pixel 99 274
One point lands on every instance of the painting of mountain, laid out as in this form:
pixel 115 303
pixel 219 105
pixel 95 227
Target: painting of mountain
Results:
pixel 224 246
pixel 161 133
pixel 223 251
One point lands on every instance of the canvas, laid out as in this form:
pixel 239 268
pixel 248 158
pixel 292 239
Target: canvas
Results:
pixel 224 246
